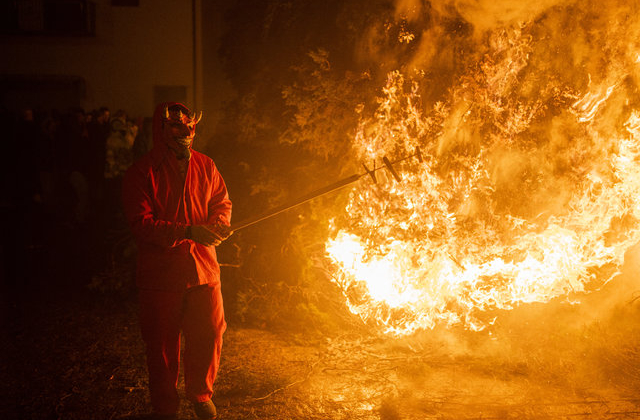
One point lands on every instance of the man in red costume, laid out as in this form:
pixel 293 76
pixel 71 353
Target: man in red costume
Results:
pixel 178 208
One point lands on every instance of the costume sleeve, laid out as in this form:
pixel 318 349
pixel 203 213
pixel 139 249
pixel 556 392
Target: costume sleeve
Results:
pixel 219 203
pixel 137 202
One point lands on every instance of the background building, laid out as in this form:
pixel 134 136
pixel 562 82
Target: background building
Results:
pixel 122 54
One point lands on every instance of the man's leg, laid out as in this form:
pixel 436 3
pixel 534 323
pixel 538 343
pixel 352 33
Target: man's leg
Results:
pixel 160 314
pixel 203 326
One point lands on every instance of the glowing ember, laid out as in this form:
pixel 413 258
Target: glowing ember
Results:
pixel 530 192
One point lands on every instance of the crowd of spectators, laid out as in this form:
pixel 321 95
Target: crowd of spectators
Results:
pixel 61 176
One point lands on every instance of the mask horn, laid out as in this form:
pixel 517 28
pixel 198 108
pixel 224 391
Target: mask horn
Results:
pixel 199 117
pixel 166 112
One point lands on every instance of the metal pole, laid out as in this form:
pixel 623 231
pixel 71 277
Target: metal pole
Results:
pixel 322 191
pixel 300 200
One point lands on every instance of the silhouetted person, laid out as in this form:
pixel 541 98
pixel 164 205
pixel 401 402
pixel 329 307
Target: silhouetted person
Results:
pixel 98 129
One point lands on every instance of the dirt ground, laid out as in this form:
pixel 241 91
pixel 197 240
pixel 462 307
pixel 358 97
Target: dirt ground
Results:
pixel 78 355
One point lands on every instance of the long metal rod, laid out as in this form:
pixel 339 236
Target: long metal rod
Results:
pixel 319 192
pixel 298 201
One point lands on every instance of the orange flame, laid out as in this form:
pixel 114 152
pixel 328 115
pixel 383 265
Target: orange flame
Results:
pixel 501 213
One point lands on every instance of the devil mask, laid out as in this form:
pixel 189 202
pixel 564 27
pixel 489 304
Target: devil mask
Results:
pixel 179 129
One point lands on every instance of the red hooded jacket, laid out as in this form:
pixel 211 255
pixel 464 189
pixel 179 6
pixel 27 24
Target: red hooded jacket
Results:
pixel 159 206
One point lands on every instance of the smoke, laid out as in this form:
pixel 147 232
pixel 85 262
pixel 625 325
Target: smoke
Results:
pixel 487 15
pixel 579 39
pixel 520 76
pixel 483 14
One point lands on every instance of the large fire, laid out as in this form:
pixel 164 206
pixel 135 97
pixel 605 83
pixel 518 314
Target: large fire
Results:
pixel 529 190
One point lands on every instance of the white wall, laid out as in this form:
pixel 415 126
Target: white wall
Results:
pixel 135 48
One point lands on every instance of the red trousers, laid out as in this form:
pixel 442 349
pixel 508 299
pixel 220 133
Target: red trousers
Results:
pixel 199 314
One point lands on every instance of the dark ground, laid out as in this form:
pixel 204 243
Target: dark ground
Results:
pixel 79 356
pixel 73 353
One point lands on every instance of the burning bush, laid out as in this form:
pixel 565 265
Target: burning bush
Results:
pixel 531 137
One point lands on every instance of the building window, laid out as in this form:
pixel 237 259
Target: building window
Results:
pixel 129 3
pixel 48 17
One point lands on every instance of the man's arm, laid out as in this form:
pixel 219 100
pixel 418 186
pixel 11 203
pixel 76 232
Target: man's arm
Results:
pixel 219 210
pixel 137 202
